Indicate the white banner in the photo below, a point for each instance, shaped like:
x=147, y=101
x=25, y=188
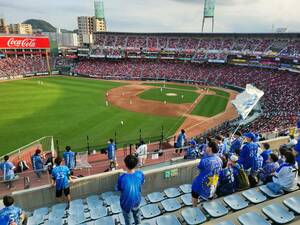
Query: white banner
x=246, y=101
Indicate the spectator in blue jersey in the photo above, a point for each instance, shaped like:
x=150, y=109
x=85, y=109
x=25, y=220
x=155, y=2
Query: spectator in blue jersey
x=227, y=183
x=192, y=152
x=266, y=152
x=180, y=142
x=236, y=143
x=297, y=150
x=205, y=184
x=286, y=176
x=222, y=148
x=271, y=165
x=249, y=154
x=112, y=153
x=10, y=214
x=60, y=179
x=37, y=163
x=7, y=169
x=70, y=159
x=130, y=186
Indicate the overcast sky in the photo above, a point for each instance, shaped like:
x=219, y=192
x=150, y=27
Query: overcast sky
x=161, y=15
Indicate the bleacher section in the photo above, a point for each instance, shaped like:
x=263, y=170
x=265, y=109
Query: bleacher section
x=173, y=206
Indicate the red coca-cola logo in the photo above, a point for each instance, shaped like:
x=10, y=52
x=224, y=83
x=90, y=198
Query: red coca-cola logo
x=24, y=43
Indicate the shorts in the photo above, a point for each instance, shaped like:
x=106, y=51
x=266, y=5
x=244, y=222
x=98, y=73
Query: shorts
x=60, y=192
x=195, y=195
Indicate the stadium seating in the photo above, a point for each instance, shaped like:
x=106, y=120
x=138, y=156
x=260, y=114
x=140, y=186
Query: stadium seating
x=22, y=66
x=100, y=209
x=261, y=45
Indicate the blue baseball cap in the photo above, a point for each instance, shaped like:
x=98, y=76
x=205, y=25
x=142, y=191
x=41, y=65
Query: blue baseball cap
x=193, y=142
x=250, y=135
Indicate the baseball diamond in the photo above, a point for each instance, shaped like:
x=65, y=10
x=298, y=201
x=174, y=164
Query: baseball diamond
x=88, y=106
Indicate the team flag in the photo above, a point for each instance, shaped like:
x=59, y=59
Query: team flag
x=246, y=101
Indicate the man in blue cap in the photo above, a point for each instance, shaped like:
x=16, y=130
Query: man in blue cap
x=248, y=155
x=192, y=151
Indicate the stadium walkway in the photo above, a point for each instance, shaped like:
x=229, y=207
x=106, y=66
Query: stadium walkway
x=99, y=164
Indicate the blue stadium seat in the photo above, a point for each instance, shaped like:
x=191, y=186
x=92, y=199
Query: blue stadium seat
x=293, y=203
x=98, y=212
x=172, y=192
x=76, y=218
x=155, y=197
x=150, y=211
x=104, y=195
x=59, y=209
x=215, y=208
x=236, y=202
x=186, y=188
x=296, y=188
x=193, y=216
x=143, y=202
x=41, y=212
x=227, y=222
x=116, y=207
x=167, y=220
x=252, y=218
x=111, y=199
x=57, y=221
x=278, y=214
x=254, y=196
x=170, y=205
x=35, y=220
x=54, y=215
x=268, y=192
x=186, y=199
x=93, y=201
x=105, y=221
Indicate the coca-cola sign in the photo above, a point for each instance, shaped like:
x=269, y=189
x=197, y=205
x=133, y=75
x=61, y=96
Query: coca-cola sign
x=25, y=43
x=14, y=42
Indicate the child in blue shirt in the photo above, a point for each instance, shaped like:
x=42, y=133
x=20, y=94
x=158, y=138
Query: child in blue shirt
x=180, y=142
x=265, y=174
x=37, y=163
x=69, y=158
x=266, y=153
x=227, y=182
x=7, y=169
x=130, y=186
x=11, y=214
x=60, y=179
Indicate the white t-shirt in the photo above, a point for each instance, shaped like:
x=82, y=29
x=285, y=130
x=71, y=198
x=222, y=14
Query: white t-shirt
x=286, y=176
x=142, y=150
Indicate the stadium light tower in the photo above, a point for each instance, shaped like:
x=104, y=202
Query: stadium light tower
x=209, y=13
x=100, y=23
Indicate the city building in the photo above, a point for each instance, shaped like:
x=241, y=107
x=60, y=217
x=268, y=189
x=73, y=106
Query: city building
x=20, y=28
x=3, y=26
x=63, y=39
x=85, y=30
x=99, y=20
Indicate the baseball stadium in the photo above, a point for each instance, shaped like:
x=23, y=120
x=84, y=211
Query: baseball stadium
x=210, y=121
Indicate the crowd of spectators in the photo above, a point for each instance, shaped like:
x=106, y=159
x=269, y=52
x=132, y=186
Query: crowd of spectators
x=280, y=104
x=22, y=65
x=286, y=46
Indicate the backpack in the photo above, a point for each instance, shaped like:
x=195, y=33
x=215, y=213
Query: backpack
x=227, y=184
x=242, y=180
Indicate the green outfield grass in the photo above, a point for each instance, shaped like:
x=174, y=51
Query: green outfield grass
x=157, y=95
x=69, y=109
x=210, y=105
x=176, y=86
